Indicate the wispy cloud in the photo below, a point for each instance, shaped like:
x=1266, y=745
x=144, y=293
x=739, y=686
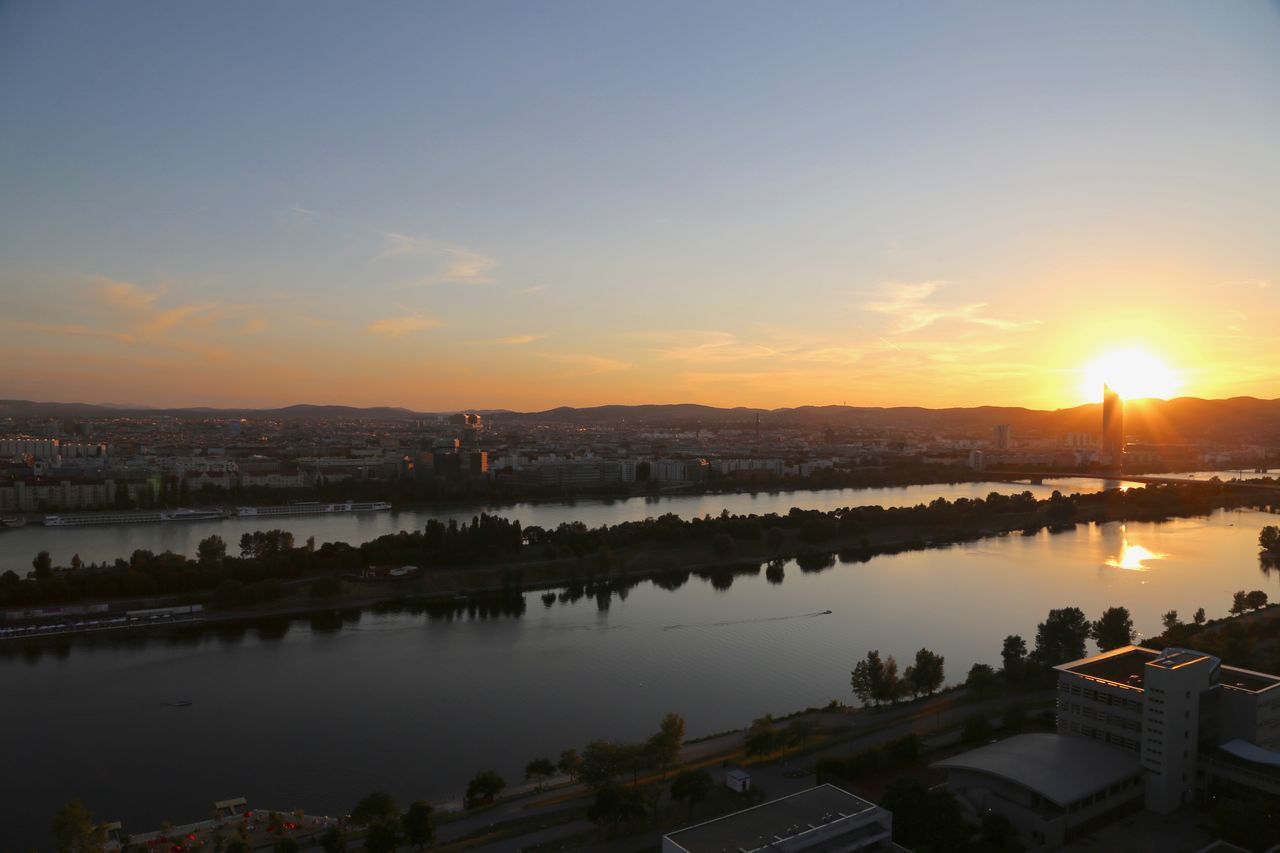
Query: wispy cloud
x=302, y=214
x=526, y=291
x=1247, y=284
x=912, y=308
x=450, y=264
x=707, y=348
x=73, y=330
x=394, y=327
x=512, y=340
x=582, y=364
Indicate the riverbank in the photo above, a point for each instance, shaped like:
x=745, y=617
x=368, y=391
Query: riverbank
x=813, y=540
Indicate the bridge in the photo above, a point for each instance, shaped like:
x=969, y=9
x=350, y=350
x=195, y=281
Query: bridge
x=1037, y=478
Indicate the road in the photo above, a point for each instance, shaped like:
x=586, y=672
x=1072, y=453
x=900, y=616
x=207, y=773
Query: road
x=925, y=718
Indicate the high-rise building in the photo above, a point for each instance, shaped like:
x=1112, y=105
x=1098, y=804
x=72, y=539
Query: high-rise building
x=1112, y=427
x=1003, y=436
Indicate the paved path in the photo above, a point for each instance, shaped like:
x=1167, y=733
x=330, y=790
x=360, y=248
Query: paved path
x=925, y=718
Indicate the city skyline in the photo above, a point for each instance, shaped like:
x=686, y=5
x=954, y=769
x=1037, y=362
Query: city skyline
x=505, y=207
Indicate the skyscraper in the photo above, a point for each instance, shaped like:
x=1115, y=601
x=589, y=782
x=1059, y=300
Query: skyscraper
x=1112, y=427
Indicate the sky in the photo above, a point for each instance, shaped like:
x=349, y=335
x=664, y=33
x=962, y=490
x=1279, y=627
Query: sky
x=444, y=205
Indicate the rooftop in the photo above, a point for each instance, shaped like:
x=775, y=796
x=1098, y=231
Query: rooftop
x=1126, y=667
x=771, y=822
x=1060, y=768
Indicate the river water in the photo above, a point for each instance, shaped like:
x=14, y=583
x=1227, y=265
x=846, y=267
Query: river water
x=99, y=543
x=317, y=718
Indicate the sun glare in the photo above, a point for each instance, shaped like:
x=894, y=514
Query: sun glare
x=1133, y=373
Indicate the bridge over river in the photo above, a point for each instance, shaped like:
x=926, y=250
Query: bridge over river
x=1038, y=477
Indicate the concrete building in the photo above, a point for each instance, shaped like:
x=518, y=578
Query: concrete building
x=1166, y=707
x=1136, y=726
x=1047, y=785
x=1003, y=436
x=825, y=818
x=1112, y=428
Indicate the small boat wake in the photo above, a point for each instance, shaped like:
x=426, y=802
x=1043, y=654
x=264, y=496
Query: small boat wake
x=178, y=703
x=747, y=621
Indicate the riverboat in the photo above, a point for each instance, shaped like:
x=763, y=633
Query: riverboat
x=135, y=517
x=14, y=521
x=310, y=508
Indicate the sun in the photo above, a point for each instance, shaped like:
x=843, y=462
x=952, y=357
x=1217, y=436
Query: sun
x=1133, y=373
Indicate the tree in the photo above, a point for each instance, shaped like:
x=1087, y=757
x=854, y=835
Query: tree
x=721, y=545
x=382, y=838
x=1198, y=618
x=691, y=786
x=796, y=734
x=1113, y=630
x=211, y=550
x=664, y=746
x=1256, y=599
x=1014, y=657
x=926, y=675
x=76, y=563
x=1170, y=620
x=603, y=761
x=42, y=565
x=762, y=738
x=539, y=768
x=982, y=679
x=284, y=844
x=615, y=804
x=483, y=787
x=865, y=676
x=1061, y=636
x=378, y=807
x=1239, y=602
x=334, y=840
x=775, y=538
x=876, y=680
x=1269, y=538
x=925, y=818
x=570, y=764
x=73, y=828
x=419, y=823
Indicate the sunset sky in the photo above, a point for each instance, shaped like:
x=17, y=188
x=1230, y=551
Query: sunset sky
x=524, y=205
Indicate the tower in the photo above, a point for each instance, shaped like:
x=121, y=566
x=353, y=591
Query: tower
x=1112, y=427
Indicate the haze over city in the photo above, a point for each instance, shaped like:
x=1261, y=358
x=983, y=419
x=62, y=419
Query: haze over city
x=521, y=206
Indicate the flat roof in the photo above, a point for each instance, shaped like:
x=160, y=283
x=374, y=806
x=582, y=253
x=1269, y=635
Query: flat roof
x=1247, y=679
x=1126, y=667
x=768, y=823
x=1060, y=768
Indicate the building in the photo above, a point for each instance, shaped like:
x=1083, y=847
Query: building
x=1003, y=436
x=1112, y=428
x=1135, y=727
x=1166, y=707
x=1047, y=785
x=825, y=818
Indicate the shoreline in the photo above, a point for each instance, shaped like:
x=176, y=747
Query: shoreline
x=496, y=586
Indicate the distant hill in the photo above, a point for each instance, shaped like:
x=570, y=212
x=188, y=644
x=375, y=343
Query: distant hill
x=1164, y=421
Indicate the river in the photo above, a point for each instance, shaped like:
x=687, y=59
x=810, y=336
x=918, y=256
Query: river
x=97, y=543
x=318, y=718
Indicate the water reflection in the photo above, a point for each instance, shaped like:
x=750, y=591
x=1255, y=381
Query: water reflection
x=1133, y=558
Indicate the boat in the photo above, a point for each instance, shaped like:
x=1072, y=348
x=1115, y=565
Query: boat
x=12, y=521
x=310, y=508
x=135, y=517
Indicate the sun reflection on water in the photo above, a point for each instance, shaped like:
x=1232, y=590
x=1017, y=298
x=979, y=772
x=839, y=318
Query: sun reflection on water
x=1133, y=558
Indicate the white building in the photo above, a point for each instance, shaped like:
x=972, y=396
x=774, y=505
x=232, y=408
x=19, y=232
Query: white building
x=1165, y=728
